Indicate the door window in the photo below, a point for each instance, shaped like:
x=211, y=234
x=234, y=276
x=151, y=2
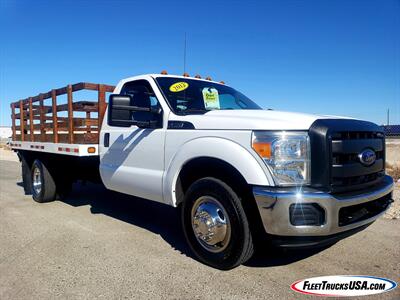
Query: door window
x=142, y=96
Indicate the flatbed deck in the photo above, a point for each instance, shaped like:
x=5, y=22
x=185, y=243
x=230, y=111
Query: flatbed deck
x=58, y=148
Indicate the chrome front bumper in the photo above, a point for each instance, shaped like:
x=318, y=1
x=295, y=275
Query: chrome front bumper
x=273, y=205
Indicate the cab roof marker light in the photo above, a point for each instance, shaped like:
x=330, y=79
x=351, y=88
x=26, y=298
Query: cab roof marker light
x=208, y=78
x=164, y=72
x=186, y=75
x=197, y=76
x=222, y=82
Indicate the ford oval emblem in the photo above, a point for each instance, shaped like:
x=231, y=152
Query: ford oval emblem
x=367, y=157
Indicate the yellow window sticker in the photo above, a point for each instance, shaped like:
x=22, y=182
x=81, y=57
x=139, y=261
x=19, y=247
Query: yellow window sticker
x=179, y=87
x=211, y=98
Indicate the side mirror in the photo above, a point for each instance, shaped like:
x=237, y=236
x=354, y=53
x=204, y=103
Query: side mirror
x=120, y=112
x=118, y=115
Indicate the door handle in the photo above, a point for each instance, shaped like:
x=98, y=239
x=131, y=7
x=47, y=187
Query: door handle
x=107, y=139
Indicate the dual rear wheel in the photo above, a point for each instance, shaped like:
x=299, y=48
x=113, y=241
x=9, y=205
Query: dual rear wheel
x=43, y=184
x=39, y=181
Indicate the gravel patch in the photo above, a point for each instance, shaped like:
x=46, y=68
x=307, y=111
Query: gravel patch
x=6, y=154
x=394, y=210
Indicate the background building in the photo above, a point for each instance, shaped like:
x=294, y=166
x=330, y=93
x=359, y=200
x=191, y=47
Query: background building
x=5, y=133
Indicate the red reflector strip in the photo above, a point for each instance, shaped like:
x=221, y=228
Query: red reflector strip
x=68, y=150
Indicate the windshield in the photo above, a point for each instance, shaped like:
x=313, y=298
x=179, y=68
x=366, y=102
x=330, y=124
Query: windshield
x=189, y=96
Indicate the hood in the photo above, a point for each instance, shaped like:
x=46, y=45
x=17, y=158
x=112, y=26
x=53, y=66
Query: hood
x=252, y=120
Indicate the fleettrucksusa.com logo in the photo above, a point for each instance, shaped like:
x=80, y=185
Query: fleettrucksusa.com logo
x=343, y=285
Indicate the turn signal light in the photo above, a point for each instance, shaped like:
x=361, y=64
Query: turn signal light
x=91, y=150
x=263, y=149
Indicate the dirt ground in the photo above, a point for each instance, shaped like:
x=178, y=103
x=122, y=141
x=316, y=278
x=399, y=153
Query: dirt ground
x=394, y=210
x=6, y=154
x=393, y=163
x=97, y=244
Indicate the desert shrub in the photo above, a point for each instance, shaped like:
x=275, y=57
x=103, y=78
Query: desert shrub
x=393, y=170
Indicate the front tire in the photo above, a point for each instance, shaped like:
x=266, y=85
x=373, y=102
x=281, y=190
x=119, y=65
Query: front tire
x=215, y=224
x=43, y=184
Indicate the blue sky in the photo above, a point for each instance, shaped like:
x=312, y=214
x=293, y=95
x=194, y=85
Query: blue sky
x=327, y=57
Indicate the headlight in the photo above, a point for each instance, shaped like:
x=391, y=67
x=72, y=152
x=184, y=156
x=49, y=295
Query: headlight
x=286, y=153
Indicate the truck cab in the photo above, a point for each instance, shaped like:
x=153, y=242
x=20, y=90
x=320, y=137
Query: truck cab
x=234, y=170
x=313, y=179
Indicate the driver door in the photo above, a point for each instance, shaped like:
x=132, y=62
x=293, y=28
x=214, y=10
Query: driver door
x=132, y=158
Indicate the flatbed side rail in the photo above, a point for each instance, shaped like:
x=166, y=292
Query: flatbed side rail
x=34, y=121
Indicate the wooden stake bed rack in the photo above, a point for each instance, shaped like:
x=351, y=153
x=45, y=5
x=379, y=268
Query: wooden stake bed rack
x=35, y=124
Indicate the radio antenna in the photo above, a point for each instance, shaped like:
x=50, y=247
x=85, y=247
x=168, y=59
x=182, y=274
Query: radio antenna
x=387, y=117
x=184, y=55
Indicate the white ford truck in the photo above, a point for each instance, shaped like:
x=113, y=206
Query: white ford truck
x=233, y=169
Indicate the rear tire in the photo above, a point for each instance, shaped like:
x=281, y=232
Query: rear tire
x=26, y=176
x=43, y=184
x=227, y=242
x=64, y=188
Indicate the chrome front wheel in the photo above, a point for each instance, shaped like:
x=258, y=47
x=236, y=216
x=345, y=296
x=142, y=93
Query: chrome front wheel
x=210, y=223
x=215, y=224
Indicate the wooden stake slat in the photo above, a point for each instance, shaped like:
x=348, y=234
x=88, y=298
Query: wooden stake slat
x=79, y=123
x=31, y=130
x=22, y=120
x=54, y=107
x=102, y=103
x=42, y=120
x=70, y=115
x=75, y=87
x=13, y=121
x=87, y=123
